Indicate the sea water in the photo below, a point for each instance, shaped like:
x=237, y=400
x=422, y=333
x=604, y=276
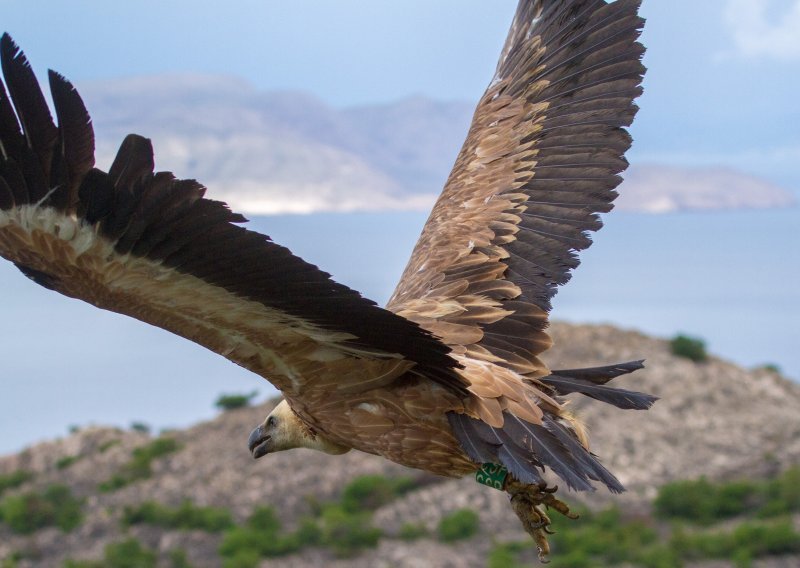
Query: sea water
x=728, y=277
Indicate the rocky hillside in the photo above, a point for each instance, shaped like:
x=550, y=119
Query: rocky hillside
x=714, y=419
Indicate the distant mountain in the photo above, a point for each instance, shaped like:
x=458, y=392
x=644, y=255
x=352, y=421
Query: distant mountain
x=284, y=152
x=289, y=152
x=714, y=419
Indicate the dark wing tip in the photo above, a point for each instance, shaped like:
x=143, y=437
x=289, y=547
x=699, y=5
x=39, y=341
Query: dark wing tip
x=8, y=47
x=57, y=78
x=134, y=159
x=76, y=152
x=11, y=56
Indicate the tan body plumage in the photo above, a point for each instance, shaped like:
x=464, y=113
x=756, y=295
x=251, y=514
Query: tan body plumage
x=447, y=377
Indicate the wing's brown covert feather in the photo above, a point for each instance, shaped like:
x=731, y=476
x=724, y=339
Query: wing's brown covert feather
x=148, y=245
x=541, y=160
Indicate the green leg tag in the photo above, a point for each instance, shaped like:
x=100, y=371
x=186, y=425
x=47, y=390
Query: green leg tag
x=492, y=475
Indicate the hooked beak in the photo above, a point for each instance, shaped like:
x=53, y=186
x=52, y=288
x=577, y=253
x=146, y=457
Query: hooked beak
x=259, y=442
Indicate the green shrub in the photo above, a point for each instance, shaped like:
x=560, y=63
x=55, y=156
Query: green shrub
x=659, y=556
x=69, y=563
x=703, y=502
x=66, y=461
x=129, y=554
x=368, y=492
x=412, y=531
x=233, y=401
x=347, y=533
x=14, y=479
x=689, y=348
x=309, y=533
x=760, y=539
x=186, y=517
x=782, y=494
x=576, y=558
x=458, y=525
x=157, y=448
x=506, y=554
x=603, y=538
x=178, y=559
x=240, y=541
x=748, y=540
x=242, y=559
x=345, y=527
x=140, y=427
x=265, y=519
x=139, y=467
x=12, y=560
x=126, y=554
x=105, y=446
x=261, y=536
x=29, y=512
x=685, y=500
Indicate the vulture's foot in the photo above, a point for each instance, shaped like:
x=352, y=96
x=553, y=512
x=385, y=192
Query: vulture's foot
x=531, y=502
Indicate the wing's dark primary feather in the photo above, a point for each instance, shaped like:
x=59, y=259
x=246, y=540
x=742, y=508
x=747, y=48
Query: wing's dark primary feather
x=163, y=219
x=39, y=132
x=541, y=161
x=74, y=157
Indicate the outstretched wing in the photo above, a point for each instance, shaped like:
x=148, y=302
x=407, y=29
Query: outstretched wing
x=151, y=246
x=540, y=162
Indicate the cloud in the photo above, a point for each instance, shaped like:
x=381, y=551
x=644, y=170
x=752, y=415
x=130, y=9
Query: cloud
x=663, y=189
x=757, y=32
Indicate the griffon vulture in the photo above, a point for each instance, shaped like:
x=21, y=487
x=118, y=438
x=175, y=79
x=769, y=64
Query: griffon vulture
x=448, y=377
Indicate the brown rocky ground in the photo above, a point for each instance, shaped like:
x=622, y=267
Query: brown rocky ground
x=713, y=419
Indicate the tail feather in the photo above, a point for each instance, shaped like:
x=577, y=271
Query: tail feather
x=520, y=466
x=595, y=469
x=537, y=440
x=476, y=446
x=621, y=398
x=601, y=375
x=526, y=448
x=591, y=382
x=486, y=444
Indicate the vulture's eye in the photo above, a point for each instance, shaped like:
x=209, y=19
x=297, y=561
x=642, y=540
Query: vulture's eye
x=271, y=421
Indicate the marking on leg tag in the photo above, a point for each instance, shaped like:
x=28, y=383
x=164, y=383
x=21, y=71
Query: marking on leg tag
x=492, y=474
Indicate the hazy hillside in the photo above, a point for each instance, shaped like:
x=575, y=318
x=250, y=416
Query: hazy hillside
x=268, y=152
x=713, y=419
x=288, y=152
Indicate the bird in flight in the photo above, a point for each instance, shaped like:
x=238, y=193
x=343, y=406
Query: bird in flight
x=448, y=377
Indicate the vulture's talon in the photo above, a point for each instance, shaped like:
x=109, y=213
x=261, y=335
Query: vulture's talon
x=530, y=502
x=543, y=557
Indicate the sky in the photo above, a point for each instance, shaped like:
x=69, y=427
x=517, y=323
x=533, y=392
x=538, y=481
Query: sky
x=721, y=90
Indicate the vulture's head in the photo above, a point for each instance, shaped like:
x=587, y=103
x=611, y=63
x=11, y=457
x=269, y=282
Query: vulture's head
x=283, y=430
